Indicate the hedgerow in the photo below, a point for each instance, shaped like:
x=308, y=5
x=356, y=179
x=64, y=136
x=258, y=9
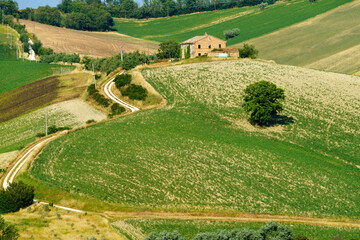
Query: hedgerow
x=100, y=99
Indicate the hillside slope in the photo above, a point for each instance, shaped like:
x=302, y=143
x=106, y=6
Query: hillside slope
x=16, y=72
x=328, y=42
x=199, y=151
x=250, y=20
x=99, y=44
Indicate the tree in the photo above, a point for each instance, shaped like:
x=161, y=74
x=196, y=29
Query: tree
x=263, y=100
x=263, y=5
x=248, y=51
x=312, y=1
x=168, y=49
x=16, y=196
x=7, y=231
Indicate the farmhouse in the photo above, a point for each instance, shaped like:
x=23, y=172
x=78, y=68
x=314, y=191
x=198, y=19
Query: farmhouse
x=202, y=45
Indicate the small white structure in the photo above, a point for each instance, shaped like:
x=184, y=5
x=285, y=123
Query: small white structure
x=32, y=56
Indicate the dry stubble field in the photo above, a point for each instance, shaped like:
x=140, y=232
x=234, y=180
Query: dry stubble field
x=198, y=152
x=99, y=44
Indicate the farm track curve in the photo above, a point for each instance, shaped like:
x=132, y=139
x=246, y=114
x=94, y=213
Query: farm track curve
x=112, y=96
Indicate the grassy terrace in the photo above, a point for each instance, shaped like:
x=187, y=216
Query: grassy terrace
x=198, y=152
x=250, y=20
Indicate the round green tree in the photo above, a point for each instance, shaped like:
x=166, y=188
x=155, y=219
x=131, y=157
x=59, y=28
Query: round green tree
x=263, y=100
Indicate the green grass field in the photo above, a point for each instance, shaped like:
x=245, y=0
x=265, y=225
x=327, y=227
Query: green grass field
x=16, y=73
x=135, y=228
x=199, y=152
x=250, y=20
x=329, y=42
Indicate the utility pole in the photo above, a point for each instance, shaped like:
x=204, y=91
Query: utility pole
x=17, y=52
x=23, y=51
x=11, y=41
x=122, y=54
x=46, y=122
x=94, y=75
x=3, y=18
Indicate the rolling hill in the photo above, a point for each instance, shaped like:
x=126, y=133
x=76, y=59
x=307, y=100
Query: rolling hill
x=99, y=44
x=328, y=42
x=199, y=152
x=250, y=20
x=15, y=72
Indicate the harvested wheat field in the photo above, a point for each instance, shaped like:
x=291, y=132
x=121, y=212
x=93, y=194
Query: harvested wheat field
x=329, y=42
x=99, y=44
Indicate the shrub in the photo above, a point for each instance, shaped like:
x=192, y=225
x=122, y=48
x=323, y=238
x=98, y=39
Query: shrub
x=165, y=235
x=231, y=33
x=262, y=100
x=7, y=231
x=90, y=121
x=263, y=5
x=300, y=237
x=135, y=92
x=16, y=196
x=134, y=59
x=122, y=80
x=116, y=109
x=248, y=51
x=100, y=99
x=91, y=89
x=269, y=231
x=60, y=57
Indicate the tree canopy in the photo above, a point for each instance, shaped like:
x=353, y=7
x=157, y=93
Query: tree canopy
x=168, y=49
x=262, y=100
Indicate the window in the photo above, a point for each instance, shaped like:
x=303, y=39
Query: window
x=199, y=46
x=199, y=54
x=209, y=46
x=219, y=45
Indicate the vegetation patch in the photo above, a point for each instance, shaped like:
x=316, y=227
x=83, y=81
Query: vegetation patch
x=195, y=153
x=190, y=228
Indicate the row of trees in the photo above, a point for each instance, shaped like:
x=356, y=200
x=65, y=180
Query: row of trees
x=271, y=230
x=95, y=15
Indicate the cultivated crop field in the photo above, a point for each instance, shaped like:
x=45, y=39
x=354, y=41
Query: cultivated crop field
x=199, y=152
x=250, y=21
x=41, y=93
x=18, y=132
x=139, y=228
x=328, y=42
x=99, y=44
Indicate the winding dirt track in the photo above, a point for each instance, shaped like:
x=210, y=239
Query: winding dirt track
x=112, y=96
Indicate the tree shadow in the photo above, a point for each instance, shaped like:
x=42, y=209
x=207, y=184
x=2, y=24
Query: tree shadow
x=280, y=120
